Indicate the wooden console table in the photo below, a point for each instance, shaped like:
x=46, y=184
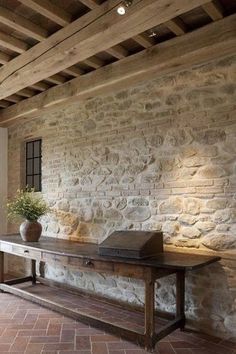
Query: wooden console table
x=84, y=257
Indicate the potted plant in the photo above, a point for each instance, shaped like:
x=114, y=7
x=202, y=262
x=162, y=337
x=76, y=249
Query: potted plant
x=29, y=206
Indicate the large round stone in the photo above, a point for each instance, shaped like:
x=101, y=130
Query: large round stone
x=172, y=205
x=137, y=213
x=219, y=242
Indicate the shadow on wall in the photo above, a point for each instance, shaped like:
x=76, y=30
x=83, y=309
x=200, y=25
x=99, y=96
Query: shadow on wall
x=210, y=301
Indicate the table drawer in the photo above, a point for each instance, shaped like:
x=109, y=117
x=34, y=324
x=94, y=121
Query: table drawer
x=91, y=265
x=54, y=258
x=26, y=252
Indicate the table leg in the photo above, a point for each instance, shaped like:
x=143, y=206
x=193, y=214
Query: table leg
x=1, y=268
x=33, y=270
x=42, y=269
x=149, y=313
x=180, y=296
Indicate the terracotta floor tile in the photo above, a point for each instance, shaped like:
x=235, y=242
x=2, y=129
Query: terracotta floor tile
x=45, y=339
x=83, y=343
x=228, y=344
x=7, y=339
x=34, y=348
x=54, y=329
x=26, y=328
x=58, y=346
x=121, y=345
x=31, y=333
x=207, y=337
x=165, y=348
x=75, y=352
x=41, y=324
x=184, y=344
x=136, y=351
x=67, y=335
x=99, y=348
x=4, y=347
x=104, y=338
x=30, y=318
x=20, y=344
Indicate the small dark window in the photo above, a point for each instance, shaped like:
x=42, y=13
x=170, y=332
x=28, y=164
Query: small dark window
x=33, y=164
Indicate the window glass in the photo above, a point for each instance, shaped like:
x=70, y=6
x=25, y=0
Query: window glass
x=33, y=164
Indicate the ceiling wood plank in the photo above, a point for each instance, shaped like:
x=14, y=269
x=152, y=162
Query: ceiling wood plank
x=73, y=71
x=21, y=24
x=91, y=4
x=214, y=10
x=118, y=51
x=4, y=58
x=12, y=43
x=177, y=26
x=105, y=31
x=4, y=104
x=49, y=10
x=14, y=98
x=26, y=93
x=144, y=40
x=179, y=53
x=40, y=86
x=94, y=62
x=56, y=79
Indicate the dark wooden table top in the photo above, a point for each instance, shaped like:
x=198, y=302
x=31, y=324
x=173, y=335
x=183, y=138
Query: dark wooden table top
x=168, y=260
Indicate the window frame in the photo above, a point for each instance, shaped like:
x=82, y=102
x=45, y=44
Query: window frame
x=33, y=158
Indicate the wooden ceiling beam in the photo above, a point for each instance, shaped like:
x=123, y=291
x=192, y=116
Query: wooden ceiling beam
x=144, y=40
x=4, y=58
x=21, y=24
x=61, y=17
x=12, y=43
x=49, y=10
x=98, y=30
x=214, y=10
x=177, y=26
x=180, y=53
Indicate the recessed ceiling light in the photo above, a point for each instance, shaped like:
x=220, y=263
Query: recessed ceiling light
x=121, y=10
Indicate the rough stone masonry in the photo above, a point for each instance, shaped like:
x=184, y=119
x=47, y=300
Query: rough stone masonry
x=158, y=156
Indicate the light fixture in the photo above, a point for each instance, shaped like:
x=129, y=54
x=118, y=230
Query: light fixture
x=121, y=10
x=152, y=34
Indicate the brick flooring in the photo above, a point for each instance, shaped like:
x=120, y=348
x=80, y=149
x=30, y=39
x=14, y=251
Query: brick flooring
x=26, y=328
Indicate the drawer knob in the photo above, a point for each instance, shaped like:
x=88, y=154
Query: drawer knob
x=88, y=263
x=26, y=251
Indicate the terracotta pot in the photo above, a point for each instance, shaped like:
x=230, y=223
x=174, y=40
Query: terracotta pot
x=30, y=231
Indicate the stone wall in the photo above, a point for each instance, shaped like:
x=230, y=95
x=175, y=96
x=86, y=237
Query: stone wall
x=159, y=156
